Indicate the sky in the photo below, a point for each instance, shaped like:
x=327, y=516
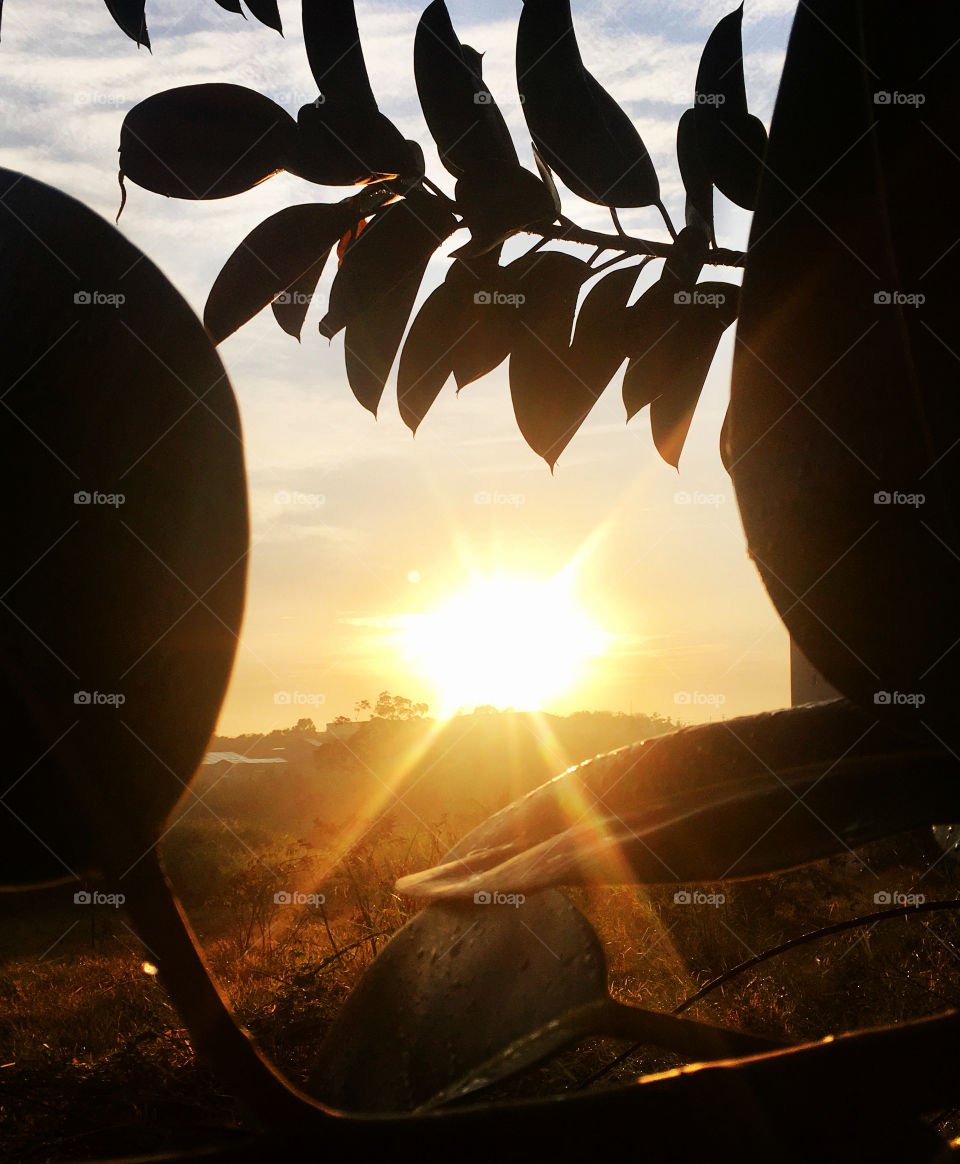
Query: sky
x=360, y=534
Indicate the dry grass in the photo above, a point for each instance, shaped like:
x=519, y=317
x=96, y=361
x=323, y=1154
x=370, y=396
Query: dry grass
x=93, y=1061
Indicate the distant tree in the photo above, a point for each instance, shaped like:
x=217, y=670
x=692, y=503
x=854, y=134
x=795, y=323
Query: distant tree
x=361, y=706
x=398, y=707
x=343, y=718
x=485, y=709
x=305, y=727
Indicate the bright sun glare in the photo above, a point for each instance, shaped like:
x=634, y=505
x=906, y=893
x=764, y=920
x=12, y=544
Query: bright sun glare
x=506, y=641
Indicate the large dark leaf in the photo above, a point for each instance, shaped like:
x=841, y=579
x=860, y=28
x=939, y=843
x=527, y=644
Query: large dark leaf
x=408, y=1036
x=339, y=145
x=335, y=55
x=498, y=202
x=230, y=6
x=459, y=109
x=465, y=328
x=290, y=245
x=129, y=15
x=732, y=140
x=376, y=286
x=205, y=141
x=577, y=126
x=716, y=801
x=120, y=614
x=267, y=12
x=696, y=177
x=671, y=373
x=291, y=306
x=398, y=242
x=845, y=419
x=549, y=400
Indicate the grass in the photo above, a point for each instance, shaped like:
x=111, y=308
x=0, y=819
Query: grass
x=94, y=1062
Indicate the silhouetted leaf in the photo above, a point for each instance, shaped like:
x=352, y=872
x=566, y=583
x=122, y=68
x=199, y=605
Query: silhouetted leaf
x=397, y=243
x=497, y=203
x=112, y=672
x=488, y=292
x=749, y=796
x=205, y=141
x=426, y=361
x=267, y=12
x=550, y=401
x=681, y=364
x=291, y=306
x=129, y=15
x=866, y=337
x=459, y=109
x=230, y=5
x=339, y=145
x=693, y=171
x=577, y=126
x=465, y=328
x=335, y=55
x=599, y=339
x=376, y=286
x=731, y=140
x=287, y=246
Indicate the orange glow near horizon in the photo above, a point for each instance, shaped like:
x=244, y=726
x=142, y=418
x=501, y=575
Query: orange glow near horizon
x=507, y=640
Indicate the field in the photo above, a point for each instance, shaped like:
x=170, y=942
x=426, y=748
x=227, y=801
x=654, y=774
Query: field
x=94, y=1062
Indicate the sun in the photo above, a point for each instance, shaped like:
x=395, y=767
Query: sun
x=506, y=641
